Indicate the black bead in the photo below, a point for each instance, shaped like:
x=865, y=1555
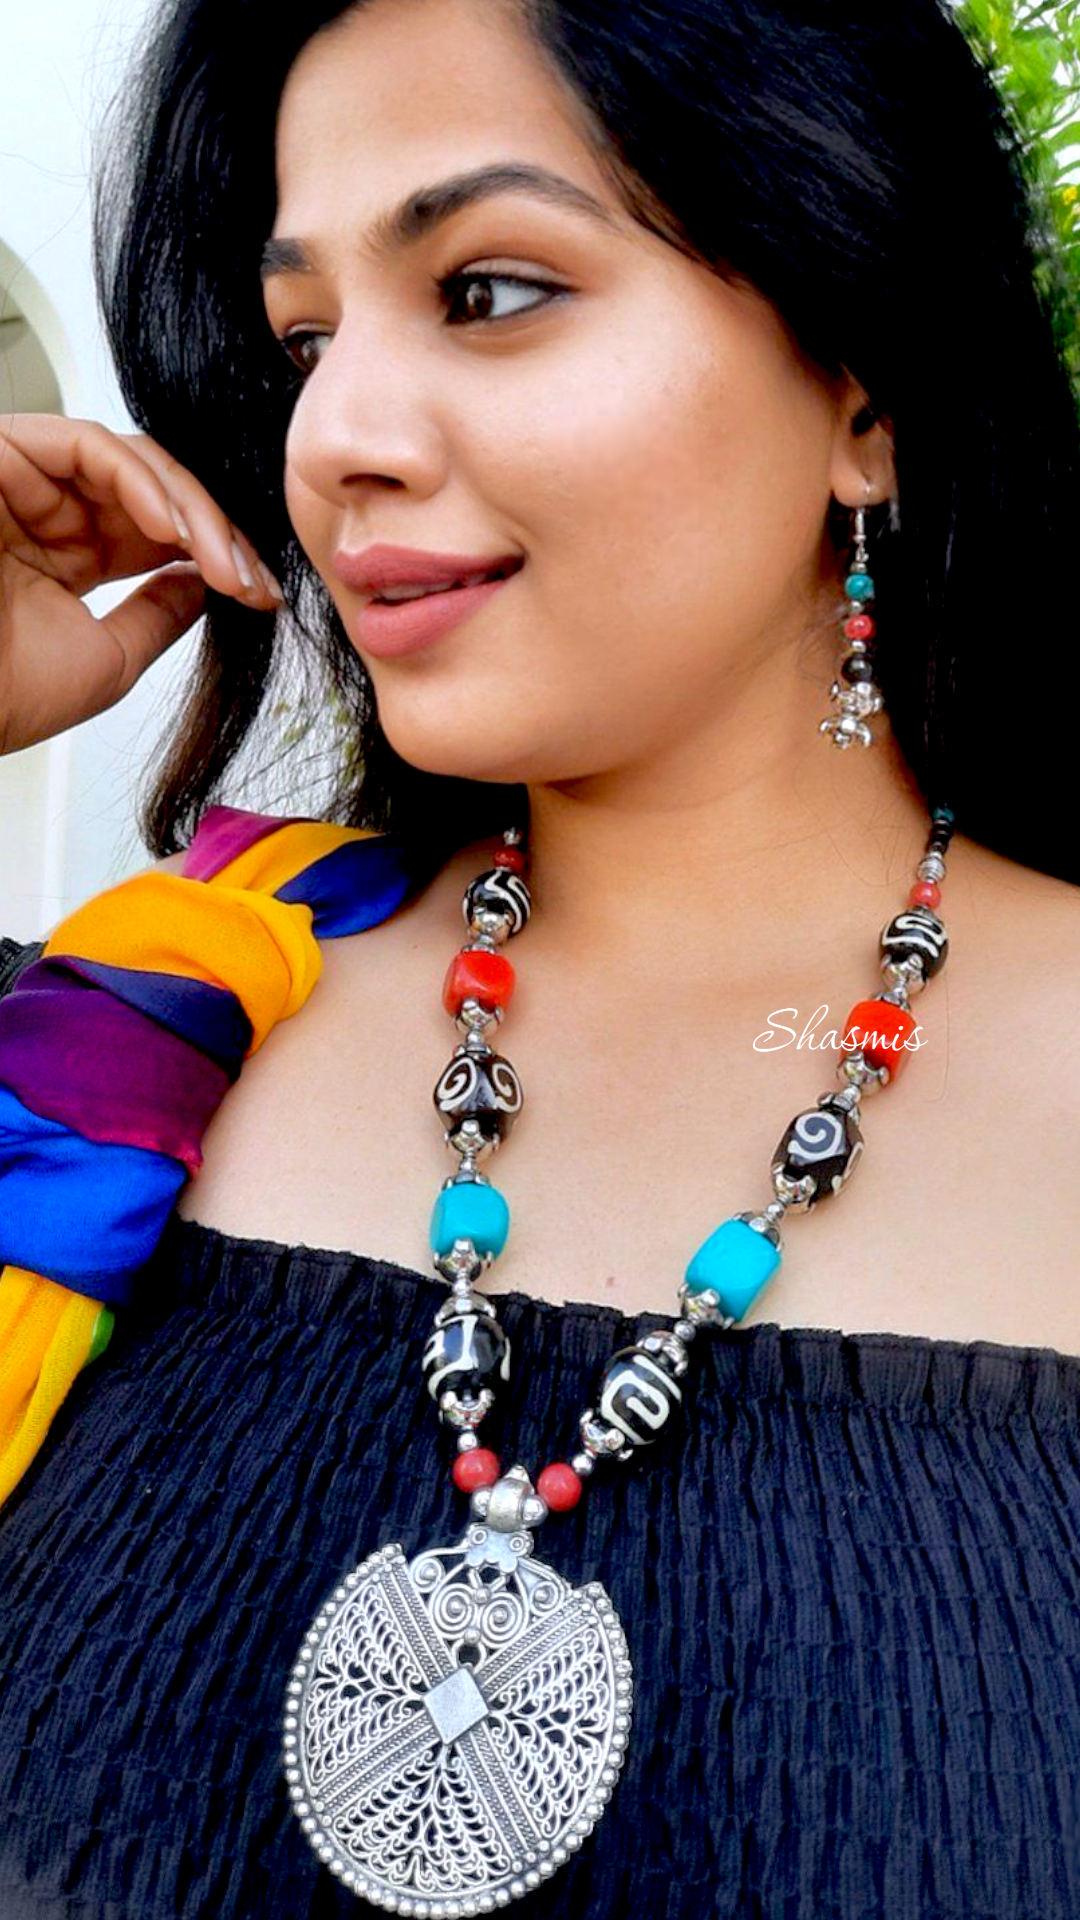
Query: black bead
x=857, y=668
x=916, y=931
x=825, y=1144
x=469, y=1352
x=499, y=890
x=479, y=1086
x=637, y=1396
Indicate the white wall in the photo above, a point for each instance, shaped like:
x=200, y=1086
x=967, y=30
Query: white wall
x=67, y=806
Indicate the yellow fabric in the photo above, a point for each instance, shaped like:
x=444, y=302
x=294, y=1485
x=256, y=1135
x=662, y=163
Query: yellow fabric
x=232, y=936
x=46, y=1333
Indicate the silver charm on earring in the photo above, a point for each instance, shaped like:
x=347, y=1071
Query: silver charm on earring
x=854, y=695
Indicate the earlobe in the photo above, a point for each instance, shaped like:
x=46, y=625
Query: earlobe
x=863, y=453
x=864, y=456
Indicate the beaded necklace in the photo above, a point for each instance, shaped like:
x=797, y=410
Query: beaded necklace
x=455, y=1723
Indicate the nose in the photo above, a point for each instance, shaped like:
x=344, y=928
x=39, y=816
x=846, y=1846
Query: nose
x=365, y=416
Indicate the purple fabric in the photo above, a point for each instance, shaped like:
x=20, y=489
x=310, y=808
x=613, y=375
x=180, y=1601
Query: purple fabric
x=210, y=1017
x=72, y=1052
x=225, y=832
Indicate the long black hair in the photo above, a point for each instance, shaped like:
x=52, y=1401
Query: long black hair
x=854, y=163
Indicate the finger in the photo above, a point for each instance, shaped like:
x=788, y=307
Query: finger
x=199, y=519
x=152, y=618
x=106, y=467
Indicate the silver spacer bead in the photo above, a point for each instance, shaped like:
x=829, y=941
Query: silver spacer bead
x=583, y=1464
x=467, y=1409
x=796, y=1194
x=904, y=973
x=703, y=1309
x=467, y=1441
x=600, y=1441
x=763, y=1223
x=472, y=1016
x=475, y=1148
x=462, y=1263
x=853, y=1069
x=513, y=836
x=848, y=1098
x=489, y=925
x=685, y=1330
x=663, y=1342
x=461, y=1303
x=931, y=867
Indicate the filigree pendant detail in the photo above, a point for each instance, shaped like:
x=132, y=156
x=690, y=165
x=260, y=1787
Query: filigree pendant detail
x=455, y=1724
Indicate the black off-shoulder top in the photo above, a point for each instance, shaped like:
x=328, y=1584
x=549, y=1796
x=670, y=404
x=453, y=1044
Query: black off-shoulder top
x=850, y=1583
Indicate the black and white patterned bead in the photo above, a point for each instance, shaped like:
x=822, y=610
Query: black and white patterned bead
x=638, y=1395
x=480, y=1086
x=498, y=893
x=817, y=1153
x=916, y=933
x=466, y=1353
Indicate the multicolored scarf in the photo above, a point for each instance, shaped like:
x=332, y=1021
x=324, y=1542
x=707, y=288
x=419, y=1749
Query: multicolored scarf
x=116, y=1048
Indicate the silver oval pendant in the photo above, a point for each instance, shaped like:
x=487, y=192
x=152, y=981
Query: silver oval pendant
x=455, y=1725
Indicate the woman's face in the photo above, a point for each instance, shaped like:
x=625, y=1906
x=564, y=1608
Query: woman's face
x=647, y=437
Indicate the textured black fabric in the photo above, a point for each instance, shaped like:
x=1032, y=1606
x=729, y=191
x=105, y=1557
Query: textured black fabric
x=15, y=957
x=850, y=1583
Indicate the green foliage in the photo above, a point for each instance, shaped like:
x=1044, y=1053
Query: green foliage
x=1031, y=49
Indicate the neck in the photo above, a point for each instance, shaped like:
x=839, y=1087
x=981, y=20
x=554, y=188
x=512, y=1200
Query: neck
x=726, y=871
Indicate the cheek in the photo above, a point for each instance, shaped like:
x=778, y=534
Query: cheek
x=674, y=486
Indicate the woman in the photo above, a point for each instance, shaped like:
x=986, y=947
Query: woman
x=716, y=250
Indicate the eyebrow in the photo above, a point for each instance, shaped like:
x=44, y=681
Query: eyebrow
x=428, y=207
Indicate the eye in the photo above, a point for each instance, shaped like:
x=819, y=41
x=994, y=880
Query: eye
x=458, y=284
x=464, y=308
x=294, y=344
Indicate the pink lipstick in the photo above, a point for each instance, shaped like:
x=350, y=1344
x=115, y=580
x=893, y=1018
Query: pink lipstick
x=448, y=587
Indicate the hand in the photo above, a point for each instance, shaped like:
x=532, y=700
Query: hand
x=80, y=504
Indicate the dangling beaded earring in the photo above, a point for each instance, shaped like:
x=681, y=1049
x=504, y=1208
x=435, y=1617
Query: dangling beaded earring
x=853, y=693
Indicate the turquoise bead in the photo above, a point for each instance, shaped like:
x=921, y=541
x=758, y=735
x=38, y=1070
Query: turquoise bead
x=859, y=586
x=470, y=1211
x=736, y=1262
x=942, y=813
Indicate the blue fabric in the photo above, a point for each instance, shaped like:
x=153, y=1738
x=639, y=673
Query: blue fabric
x=850, y=1583
x=58, y=1206
x=356, y=886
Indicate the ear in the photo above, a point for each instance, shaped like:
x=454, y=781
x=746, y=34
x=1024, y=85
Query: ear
x=863, y=449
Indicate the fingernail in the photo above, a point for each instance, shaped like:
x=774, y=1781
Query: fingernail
x=181, y=525
x=271, y=584
x=242, y=567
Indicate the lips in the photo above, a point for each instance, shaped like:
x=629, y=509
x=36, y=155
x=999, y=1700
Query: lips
x=416, y=591
x=381, y=567
x=389, y=631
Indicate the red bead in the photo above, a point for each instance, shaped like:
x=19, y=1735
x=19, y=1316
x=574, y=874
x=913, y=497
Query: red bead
x=488, y=977
x=925, y=893
x=480, y=1468
x=511, y=857
x=560, y=1487
x=860, y=627
x=890, y=1023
